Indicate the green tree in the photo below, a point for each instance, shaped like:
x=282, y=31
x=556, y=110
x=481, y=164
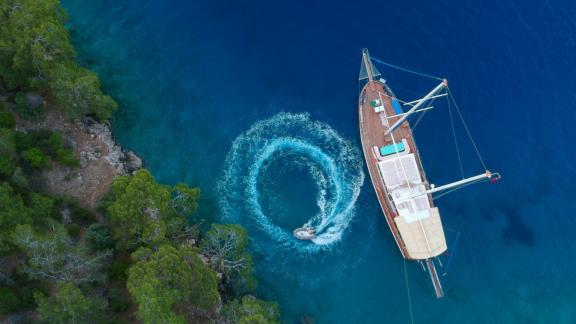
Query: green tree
x=68, y=305
x=36, y=54
x=226, y=247
x=139, y=208
x=42, y=208
x=250, y=310
x=54, y=256
x=7, y=165
x=185, y=199
x=168, y=277
x=19, y=180
x=34, y=34
x=99, y=237
x=12, y=213
x=78, y=91
x=7, y=142
x=36, y=158
x=6, y=120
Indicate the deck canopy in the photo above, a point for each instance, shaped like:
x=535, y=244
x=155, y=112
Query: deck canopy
x=418, y=222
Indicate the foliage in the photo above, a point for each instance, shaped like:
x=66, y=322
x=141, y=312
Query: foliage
x=226, y=247
x=7, y=142
x=170, y=277
x=78, y=91
x=6, y=120
x=250, y=311
x=68, y=305
x=116, y=301
x=36, y=158
x=66, y=157
x=204, y=288
x=140, y=206
x=41, y=57
x=73, y=230
x=42, y=208
x=19, y=180
x=25, y=111
x=35, y=31
x=99, y=237
x=54, y=256
x=184, y=199
x=7, y=165
x=10, y=301
x=118, y=271
x=12, y=213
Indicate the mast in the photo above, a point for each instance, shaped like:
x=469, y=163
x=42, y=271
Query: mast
x=419, y=103
x=367, y=65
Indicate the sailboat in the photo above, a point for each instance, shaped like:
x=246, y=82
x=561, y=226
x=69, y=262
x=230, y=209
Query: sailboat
x=396, y=171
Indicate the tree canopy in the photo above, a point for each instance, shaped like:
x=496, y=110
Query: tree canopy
x=54, y=256
x=36, y=54
x=68, y=305
x=226, y=246
x=168, y=277
x=12, y=213
x=250, y=310
x=143, y=210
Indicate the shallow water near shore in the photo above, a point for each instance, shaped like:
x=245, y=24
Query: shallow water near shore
x=255, y=102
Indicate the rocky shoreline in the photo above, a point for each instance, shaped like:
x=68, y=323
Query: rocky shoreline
x=101, y=157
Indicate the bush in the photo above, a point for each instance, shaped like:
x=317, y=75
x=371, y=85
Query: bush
x=10, y=302
x=36, y=158
x=55, y=142
x=19, y=180
x=118, y=271
x=25, y=111
x=7, y=120
x=99, y=237
x=117, y=302
x=66, y=157
x=81, y=215
x=6, y=166
x=23, y=141
x=73, y=230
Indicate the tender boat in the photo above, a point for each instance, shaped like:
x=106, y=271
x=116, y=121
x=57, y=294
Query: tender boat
x=304, y=233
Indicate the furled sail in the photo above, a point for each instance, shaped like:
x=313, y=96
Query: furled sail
x=364, y=72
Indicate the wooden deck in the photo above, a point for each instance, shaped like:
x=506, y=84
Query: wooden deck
x=372, y=133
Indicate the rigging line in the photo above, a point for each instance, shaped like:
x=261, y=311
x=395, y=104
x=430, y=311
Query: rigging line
x=466, y=127
x=451, y=254
x=406, y=69
x=455, y=139
x=408, y=292
x=422, y=115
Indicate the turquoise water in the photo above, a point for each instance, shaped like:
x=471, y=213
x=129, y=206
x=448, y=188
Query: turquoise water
x=255, y=101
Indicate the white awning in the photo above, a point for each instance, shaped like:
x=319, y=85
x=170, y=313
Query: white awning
x=399, y=171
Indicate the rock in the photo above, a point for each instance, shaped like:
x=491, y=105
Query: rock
x=66, y=216
x=133, y=162
x=34, y=99
x=204, y=259
x=124, y=162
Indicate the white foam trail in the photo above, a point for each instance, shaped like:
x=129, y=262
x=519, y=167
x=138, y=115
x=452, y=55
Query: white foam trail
x=333, y=162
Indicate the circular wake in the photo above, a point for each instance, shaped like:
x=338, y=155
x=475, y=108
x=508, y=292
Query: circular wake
x=332, y=162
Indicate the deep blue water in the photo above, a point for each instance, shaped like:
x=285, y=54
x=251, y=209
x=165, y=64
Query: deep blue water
x=193, y=76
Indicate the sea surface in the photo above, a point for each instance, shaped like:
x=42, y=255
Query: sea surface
x=256, y=103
